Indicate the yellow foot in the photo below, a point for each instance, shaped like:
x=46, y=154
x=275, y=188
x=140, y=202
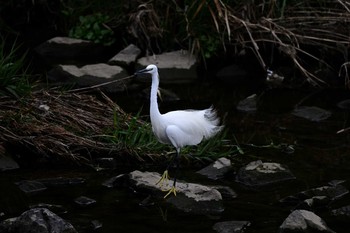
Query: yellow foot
x=170, y=191
x=163, y=181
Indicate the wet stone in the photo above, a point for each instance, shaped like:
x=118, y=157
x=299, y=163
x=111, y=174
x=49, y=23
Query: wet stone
x=37, y=220
x=248, y=104
x=96, y=225
x=231, y=226
x=84, y=201
x=331, y=192
x=304, y=221
x=31, y=187
x=59, y=209
x=312, y=113
x=61, y=181
x=227, y=192
x=114, y=181
x=190, y=197
x=217, y=170
x=342, y=211
x=345, y=104
x=7, y=163
x=257, y=174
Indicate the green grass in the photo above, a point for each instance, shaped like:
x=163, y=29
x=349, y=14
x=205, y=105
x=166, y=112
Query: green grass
x=137, y=136
x=14, y=77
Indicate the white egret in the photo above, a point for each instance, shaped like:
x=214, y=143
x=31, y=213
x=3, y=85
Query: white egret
x=179, y=128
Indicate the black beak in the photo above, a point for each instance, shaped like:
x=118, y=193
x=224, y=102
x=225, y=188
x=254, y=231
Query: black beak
x=142, y=71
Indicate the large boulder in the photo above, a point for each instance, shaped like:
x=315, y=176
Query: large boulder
x=217, y=170
x=191, y=197
x=257, y=174
x=174, y=67
x=38, y=220
x=91, y=75
x=66, y=50
x=126, y=57
x=304, y=221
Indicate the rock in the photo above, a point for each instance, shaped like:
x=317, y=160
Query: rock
x=54, y=208
x=248, y=104
x=65, y=50
x=38, y=220
x=330, y=192
x=217, y=170
x=227, y=193
x=342, y=211
x=106, y=163
x=90, y=75
x=304, y=221
x=7, y=163
x=257, y=174
x=115, y=181
x=61, y=181
x=84, y=201
x=231, y=226
x=31, y=187
x=191, y=197
x=126, y=57
x=311, y=113
x=345, y=104
x=96, y=225
x=173, y=67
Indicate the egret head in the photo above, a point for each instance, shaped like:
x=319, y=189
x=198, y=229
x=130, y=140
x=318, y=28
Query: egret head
x=150, y=69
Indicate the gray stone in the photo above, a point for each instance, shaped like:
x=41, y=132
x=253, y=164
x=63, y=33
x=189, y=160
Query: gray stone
x=311, y=113
x=342, y=211
x=7, y=163
x=38, y=220
x=322, y=195
x=304, y=221
x=90, y=75
x=217, y=170
x=126, y=57
x=231, y=226
x=191, y=197
x=173, y=67
x=114, y=181
x=248, y=104
x=84, y=201
x=65, y=50
x=31, y=187
x=257, y=174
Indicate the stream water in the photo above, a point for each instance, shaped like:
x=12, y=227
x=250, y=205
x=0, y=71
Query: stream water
x=320, y=155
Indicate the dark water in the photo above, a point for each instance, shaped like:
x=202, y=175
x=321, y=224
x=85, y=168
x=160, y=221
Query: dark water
x=321, y=155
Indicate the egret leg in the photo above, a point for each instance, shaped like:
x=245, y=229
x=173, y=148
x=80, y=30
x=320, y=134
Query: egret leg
x=173, y=188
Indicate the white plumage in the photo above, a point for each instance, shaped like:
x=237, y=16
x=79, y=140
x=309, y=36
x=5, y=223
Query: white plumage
x=182, y=127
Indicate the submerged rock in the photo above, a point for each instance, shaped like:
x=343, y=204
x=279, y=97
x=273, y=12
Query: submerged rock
x=304, y=221
x=31, y=187
x=248, y=104
x=312, y=113
x=217, y=170
x=342, y=211
x=84, y=201
x=191, y=197
x=231, y=226
x=317, y=197
x=257, y=174
x=174, y=67
x=61, y=181
x=37, y=220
